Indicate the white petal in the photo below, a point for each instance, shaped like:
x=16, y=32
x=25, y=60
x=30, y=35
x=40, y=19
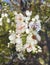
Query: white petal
x=38, y=37
x=31, y=24
x=33, y=19
x=28, y=13
x=1, y=21
x=27, y=19
x=20, y=27
x=6, y=15
x=8, y=20
x=15, y=13
x=34, y=49
x=27, y=31
x=19, y=47
x=39, y=50
x=29, y=50
x=19, y=18
x=39, y=47
x=8, y=45
x=2, y=15
x=18, y=41
x=37, y=17
x=12, y=36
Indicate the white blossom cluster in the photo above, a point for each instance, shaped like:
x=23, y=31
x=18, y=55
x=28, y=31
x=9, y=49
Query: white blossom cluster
x=29, y=27
x=2, y=16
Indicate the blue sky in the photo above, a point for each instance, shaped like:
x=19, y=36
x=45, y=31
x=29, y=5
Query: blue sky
x=7, y=1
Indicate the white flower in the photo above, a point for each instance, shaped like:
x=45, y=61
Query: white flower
x=27, y=31
x=0, y=21
x=30, y=43
x=19, y=47
x=8, y=45
x=28, y=47
x=39, y=49
x=30, y=28
x=33, y=19
x=38, y=25
x=44, y=2
x=38, y=37
x=20, y=27
x=37, y=17
x=19, y=18
x=4, y=15
x=28, y=13
x=27, y=19
x=15, y=13
x=12, y=38
x=18, y=40
x=10, y=31
x=31, y=25
x=35, y=25
x=31, y=40
x=34, y=49
x=8, y=20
